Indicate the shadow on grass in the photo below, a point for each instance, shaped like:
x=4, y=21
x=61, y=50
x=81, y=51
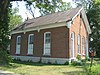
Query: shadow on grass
x=28, y=63
x=73, y=73
x=16, y=64
x=35, y=63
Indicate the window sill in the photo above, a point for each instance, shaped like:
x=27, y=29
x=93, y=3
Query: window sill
x=46, y=54
x=29, y=54
x=17, y=53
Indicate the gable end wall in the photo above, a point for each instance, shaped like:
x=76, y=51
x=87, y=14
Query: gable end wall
x=78, y=27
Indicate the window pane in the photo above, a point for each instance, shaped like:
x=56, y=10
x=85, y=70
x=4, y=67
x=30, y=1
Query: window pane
x=47, y=38
x=31, y=39
x=78, y=49
x=78, y=39
x=18, y=40
x=48, y=35
x=83, y=43
x=78, y=42
x=47, y=43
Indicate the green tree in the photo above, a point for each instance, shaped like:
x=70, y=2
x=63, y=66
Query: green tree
x=5, y=18
x=93, y=13
x=15, y=19
x=47, y=6
x=4, y=30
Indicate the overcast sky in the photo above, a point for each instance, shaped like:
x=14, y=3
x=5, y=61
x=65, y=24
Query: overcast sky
x=23, y=11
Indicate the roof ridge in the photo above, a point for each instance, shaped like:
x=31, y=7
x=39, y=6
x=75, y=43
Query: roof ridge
x=53, y=13
x=60, y=16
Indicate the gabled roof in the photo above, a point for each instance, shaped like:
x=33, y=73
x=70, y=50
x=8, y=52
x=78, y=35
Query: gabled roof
x=57, y=17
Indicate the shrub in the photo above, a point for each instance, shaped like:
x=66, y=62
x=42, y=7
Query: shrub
x=78, y=57
x=76, y=63
x=97, y=59
x=4, y=57
x=49, y=63
x=29, y=60
x=83, y=61
x=94, y=70
x=67, y=63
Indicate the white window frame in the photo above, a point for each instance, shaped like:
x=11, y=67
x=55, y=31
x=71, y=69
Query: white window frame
x=79, y=44
x=83, y=45
x=87, y=49
x=72, y=45
x=30, y=51
x=44, y=52
x=18, y=45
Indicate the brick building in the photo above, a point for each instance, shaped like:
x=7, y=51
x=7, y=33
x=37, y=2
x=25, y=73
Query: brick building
x=55, y=38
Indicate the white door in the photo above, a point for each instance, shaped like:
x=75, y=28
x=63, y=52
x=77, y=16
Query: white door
x=47, y=43
x=72, y=41
x=30, y=43
x=18, y=41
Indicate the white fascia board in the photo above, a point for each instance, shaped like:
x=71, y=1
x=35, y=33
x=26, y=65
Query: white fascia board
x=84, y=17
x=53, y=25
x=38, y=28
x=77, y=13
x=22, y=31
x=85, y=20
x=69, y=23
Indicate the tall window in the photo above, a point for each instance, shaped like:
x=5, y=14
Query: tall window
x=83, y=45
x=18, y=42
x=78, y=44
x=47, y=43
x=87, y=54
x=30, y=43
x=72, y=44
x=31, y=39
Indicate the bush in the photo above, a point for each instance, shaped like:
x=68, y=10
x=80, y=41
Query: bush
x=4, y=58
x=67, y=63
x=94, y=70
x=76, y=63
x=78, y=57
x=97, y=59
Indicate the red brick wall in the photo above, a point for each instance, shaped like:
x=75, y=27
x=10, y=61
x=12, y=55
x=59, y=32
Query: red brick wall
x=59, y=42
x=78, y=27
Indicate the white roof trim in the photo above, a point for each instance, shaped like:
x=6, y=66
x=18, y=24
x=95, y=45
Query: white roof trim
x=77, y=14
x=84, y=17
x=53, y=25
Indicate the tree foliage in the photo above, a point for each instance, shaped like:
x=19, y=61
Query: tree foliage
x=47, y=6
x=4, y=30
x=93, y=14
x=15, y=19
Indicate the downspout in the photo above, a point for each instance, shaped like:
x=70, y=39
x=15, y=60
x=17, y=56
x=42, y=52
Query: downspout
x=38, y=30
x=69, y=23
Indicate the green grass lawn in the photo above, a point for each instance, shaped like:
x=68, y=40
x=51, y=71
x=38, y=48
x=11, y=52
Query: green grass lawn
x=30, y=68
x=26, y=68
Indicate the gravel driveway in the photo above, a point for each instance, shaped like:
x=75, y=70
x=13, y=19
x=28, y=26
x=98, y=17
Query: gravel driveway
x=7, y=73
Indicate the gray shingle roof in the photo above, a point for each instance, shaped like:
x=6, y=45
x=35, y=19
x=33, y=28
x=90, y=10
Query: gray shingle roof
x=49, y=19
